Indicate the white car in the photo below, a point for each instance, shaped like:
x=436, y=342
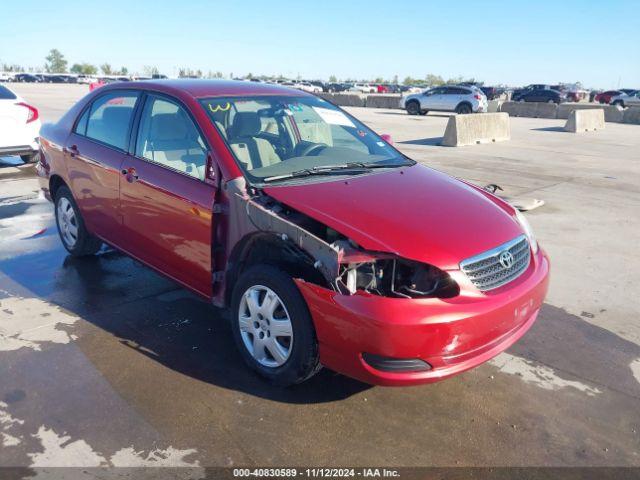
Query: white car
x=19, y=126
x=86, y=79
x=447, y=98
x=307, y=87
x=6, y=77
x=626, y=100
x=363, y=88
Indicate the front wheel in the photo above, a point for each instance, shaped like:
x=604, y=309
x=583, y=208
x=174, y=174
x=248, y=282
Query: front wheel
x=75, y=237
x=272, y=326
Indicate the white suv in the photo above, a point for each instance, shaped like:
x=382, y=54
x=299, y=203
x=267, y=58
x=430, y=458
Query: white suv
x=447, y=98
x=19, y=126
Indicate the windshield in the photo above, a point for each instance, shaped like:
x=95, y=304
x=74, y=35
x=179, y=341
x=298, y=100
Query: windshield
x=278, y=137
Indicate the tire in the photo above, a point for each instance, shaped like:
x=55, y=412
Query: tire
x=413, y=107
x=551, y=101
x=295, y=356
x=463, y=109
x=73, y=234
x=618, y=103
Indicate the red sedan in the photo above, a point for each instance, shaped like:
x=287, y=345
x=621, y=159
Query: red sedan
x=605, y=97
x=328, y=245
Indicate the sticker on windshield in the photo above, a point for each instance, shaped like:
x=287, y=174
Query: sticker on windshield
x=221, y=107
x=333, y=117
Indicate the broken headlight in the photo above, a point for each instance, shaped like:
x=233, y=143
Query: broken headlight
x=396, y=277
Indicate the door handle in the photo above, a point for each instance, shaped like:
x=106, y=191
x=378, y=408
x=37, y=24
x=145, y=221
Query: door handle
x=72, y=150
x=131, y=174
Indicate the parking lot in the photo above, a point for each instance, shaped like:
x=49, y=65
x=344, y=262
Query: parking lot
x=104, y=362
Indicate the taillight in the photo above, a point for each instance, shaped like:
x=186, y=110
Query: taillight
x=477, y=97
x=33, y=112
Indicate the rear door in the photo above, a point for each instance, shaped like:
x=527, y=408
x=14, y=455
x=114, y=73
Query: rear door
x=453, y=96
x=167, y=195
x=94, y=153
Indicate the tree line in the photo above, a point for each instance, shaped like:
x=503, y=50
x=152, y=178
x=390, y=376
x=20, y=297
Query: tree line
x=55, y=62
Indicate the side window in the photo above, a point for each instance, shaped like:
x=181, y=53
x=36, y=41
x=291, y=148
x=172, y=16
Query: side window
x=167, y=136
x=109, y=118
x=81, y=127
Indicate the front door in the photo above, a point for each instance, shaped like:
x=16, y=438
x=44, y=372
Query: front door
x=166, y=201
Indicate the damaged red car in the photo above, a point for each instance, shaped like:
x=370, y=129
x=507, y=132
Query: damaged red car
x=329, y=246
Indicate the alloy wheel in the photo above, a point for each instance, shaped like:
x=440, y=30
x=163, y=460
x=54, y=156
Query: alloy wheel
x=67, y=222
x=265, y=326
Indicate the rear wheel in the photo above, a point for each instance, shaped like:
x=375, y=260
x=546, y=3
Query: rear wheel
x=413, y=107
x=75, y=237
x=463, y=109
x=618, y=103
x=272, y=326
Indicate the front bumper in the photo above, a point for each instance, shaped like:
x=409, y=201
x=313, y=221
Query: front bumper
x=452, y=335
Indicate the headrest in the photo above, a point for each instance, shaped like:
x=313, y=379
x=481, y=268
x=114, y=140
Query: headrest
x=245, y=124
x=168, y=126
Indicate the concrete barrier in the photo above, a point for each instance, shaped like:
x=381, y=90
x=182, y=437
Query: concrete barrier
x=632, y=115
x=382, y=101
x=612, y=113
x=344, y=99
x=476, y=128
x=529, y=109
x=585, y=120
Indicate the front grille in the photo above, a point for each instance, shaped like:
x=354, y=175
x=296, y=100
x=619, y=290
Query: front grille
x=485, y=270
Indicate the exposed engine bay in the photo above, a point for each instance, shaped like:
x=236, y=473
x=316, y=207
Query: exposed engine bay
x=345, y=266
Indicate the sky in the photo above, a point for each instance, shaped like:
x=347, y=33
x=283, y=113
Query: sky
x=513, y=42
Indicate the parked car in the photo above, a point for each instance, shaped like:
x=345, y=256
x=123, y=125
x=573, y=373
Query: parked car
x=19, y=126
x=86, y=79
x=516, y=94
x=629, y=91
x=56, y=79
x=492, y=93
x=448, y=98
x=25, y=78
x=224, y=187
x=605, y=97
x=307, y=87
x=546, y=96
x=363, y=88
x=592, y=95
x=631, y=99
x=338, y=87
x=6, y=76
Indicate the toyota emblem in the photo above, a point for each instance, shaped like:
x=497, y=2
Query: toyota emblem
x=506, y=259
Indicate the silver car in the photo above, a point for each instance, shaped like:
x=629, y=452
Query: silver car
x=447, y=98
x=625, y=100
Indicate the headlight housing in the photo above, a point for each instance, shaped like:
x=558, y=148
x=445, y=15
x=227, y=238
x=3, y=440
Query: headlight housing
x=528, y=231
x=397, y=277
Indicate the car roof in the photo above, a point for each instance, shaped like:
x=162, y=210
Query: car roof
x=199, y=88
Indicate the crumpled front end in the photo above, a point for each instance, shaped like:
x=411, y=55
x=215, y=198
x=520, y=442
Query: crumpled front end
x=377, y=339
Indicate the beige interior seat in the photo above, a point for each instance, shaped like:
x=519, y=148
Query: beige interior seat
x=251, y=150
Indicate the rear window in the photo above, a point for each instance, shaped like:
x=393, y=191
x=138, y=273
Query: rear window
x=6, y=94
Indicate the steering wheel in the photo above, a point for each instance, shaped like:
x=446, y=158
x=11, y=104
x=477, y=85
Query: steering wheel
x=311, y=148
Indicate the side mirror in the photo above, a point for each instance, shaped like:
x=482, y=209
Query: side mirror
x=387, y=138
